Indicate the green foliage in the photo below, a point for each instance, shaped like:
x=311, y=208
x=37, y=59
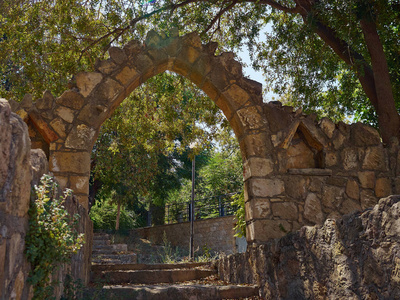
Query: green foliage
x=73, y=289
x=240, y=215
x=103, y=215
x=142, y=151
x=52, y=237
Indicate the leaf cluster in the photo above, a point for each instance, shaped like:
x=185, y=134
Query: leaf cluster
x=52, y=236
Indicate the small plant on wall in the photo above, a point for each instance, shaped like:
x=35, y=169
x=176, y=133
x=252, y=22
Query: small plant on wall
x=52, y=236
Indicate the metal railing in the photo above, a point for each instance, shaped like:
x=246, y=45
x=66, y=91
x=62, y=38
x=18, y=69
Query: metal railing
x=205, y=208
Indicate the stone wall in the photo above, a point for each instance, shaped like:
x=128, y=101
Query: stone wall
x=217, y=234
x=21, y=169
x=15, y=187
x=354, y=257
x=317, y=170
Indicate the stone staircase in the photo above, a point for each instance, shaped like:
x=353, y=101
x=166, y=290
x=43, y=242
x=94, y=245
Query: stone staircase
x=104, y=252
x=184, y=281
x=117, y=275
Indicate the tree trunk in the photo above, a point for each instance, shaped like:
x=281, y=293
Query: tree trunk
x=388, y=117
x=118, y=215
x=374, y=80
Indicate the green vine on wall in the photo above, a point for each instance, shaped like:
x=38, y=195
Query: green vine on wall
x=52, y=236
x=240, y=214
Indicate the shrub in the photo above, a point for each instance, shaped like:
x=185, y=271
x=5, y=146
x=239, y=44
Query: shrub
x=52, y=236
x=104, y=215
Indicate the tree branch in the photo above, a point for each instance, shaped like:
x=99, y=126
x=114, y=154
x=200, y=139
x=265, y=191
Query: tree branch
x=172, y=7
x=278, y=6
x=219, y=15
x=120, y=31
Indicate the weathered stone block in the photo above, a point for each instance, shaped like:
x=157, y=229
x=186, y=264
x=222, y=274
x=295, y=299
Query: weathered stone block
x=251, y=118
x=331, y=159
x=367, y=179
x=327, y=126
x=93, y=115
x=257, y=208
x=80, y=138
x=127, y=76
x=332, y=196
x=80, y=184
x=117, y=55
x=312, y=209
x=285, y=210
x=352, y=189
x=189, y=54
x=71, y=99
x=375, y=159
x=263, y=230
x=350, y=158
x=86, y=82
x=363, y=135
x=107, y=91
x=316, y=185
x=59, y=127
x=105, y=66
x=65, y=113
x=368, y=199
x=236, y=96
x=266, y=187
x=349, y=206
x=46, y=102
x=338, y=140
x=337, y=181
x=383, y=187
x=39, y=165
x=295, y=187
x=75, y=162
x=257, y=167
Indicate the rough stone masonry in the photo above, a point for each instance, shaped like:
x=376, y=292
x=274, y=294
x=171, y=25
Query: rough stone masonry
x=297, y=170
x=353, y=257
x=21, y=169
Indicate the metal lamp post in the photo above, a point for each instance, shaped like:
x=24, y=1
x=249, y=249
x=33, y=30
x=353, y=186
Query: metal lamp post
x=192, y=210
x=192, y=146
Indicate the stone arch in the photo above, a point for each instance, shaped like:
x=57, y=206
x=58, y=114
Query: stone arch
x=354, y=167
x=73, y=120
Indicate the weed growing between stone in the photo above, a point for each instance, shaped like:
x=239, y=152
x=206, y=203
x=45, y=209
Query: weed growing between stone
x=52, y=236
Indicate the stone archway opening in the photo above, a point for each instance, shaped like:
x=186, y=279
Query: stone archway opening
x=161, y=126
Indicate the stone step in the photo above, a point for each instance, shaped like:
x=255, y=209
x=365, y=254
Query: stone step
x=132, y=267
x=111, y=248
x=101, y=236
x=176, y=292
x=101, y=242
x=150, y=276
x=126, y=258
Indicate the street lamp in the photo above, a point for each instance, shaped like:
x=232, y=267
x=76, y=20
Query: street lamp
x=192, y=146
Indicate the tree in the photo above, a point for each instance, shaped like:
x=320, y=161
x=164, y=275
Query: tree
x=328, y=55
x=142, y=151
x=355, y=37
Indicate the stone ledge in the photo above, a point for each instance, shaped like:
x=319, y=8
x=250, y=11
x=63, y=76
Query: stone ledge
x=311, y=172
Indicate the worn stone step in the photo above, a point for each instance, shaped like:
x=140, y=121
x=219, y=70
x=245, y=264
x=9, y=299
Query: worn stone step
x=112, y=247
x=151, y=276
x=175, y=292
x=113, y=267
x=101, y=236
x=127, y=258
x=101, y=242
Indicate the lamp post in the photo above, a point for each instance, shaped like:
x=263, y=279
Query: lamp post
x=192, y=210
x=192, y=146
